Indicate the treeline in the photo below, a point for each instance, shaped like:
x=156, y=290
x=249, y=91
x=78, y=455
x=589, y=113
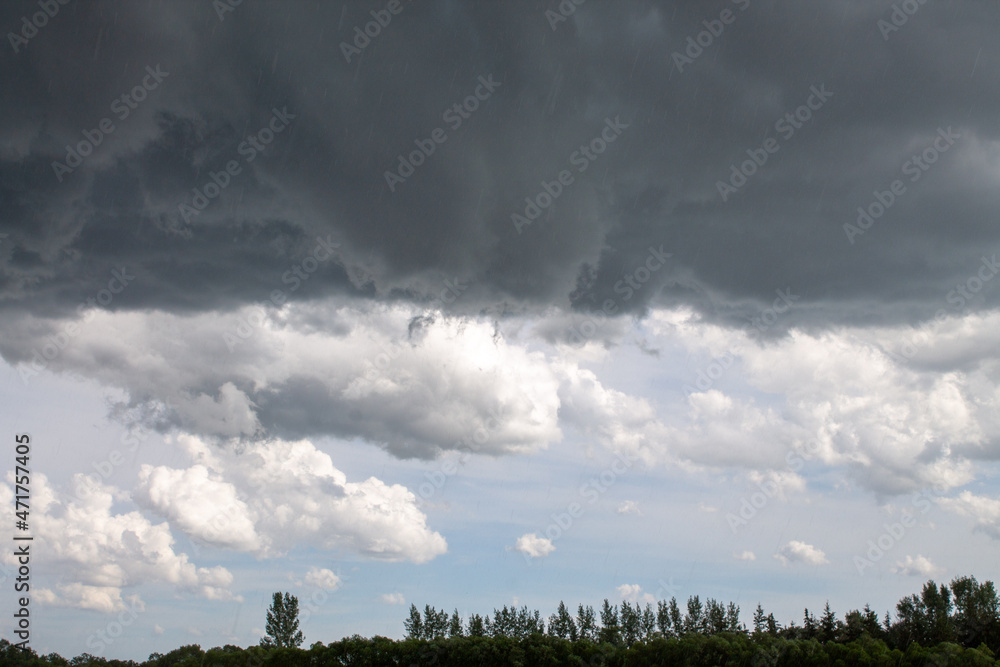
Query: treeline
x=626, y=625
x=965, y=612
x=956, y=624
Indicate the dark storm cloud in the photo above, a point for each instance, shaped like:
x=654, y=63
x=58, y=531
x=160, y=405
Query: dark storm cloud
x=534, y=98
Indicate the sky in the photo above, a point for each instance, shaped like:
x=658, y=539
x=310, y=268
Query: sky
x=480, y=304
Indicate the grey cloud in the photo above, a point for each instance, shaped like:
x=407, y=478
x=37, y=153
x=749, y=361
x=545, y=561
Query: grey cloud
x=656, y=184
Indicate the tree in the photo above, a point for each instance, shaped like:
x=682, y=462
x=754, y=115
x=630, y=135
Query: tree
x=413, y=625
x=714, y=616
x=733, y=619
x=663, y=618
x=631, y=623
x=674, y=612
x=977, y=612
x=648, y=623
x=810, y=627
x=585, y=622
x=610, y=628
x=476, y=626
x=828, y=624
x=869, y=621
x=759, y=621
x=455, y=627
x=283, y=623
x=436, y=623
x=693, y=620
x=561, y=624
x=772, y=626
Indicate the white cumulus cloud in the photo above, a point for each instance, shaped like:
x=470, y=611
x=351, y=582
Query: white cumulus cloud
x=917, y=567
x=321, y=577
x=531, y=544
x=272, y=495
x=800, y=552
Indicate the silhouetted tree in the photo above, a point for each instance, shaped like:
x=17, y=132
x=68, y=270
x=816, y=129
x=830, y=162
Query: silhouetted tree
x=759, y=621
x=561, y=624
x=810, y=627
x=476, y=627
x=675, y=617
x=455, y=626
x=413, y=625
x=693, y=620
x=828, y=624
x=630, y=626
x=647, y=623
x=733, y=619
x=282, y=628
x=610, y=628
x=586, y=623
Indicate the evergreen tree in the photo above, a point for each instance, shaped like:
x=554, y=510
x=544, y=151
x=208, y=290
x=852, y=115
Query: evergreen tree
x=663, y=618
x=282, y=626
x=810, y=627
x=648, y=623
x=869, y=622
x=436, y=623
x=455, y=627
x=630, y=623
x=504, y=622
x=489, y=627
x=714, y=616
x=827, y=624
x=693, y=620
x=772, y=626
x=675, y=617
x=476, y=627
x=853, y=627
x=733, y=619
x=561, y=624
x=413, y=625
x=610, y=627
x=586, y=623
x=527, y=623
x=759, y=621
